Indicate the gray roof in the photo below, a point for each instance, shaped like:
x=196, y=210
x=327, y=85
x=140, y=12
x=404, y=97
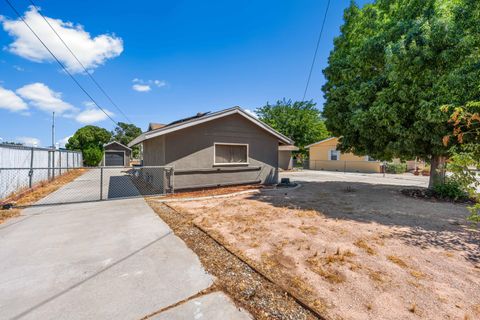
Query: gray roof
x=204, y=117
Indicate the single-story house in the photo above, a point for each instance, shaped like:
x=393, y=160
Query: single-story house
x=226, y=147
x=285, y=158
x=323, y=155
x=116, y=154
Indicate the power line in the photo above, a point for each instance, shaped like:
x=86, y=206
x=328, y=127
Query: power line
x=316, y=50
x=59, y=62
x=81, y=64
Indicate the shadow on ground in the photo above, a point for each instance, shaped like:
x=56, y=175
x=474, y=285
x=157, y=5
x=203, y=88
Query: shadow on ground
x=417, y=222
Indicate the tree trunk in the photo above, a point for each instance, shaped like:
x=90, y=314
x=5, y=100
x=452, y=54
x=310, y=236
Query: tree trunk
x=437, y=171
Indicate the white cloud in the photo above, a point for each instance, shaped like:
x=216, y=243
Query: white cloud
x=92, y=52
x=10, y=101
x=141, y=87
x=250, y=112
x=62, y=142
x=29, y=141
x=44, y=98
x=160, y=83
x=91, y=114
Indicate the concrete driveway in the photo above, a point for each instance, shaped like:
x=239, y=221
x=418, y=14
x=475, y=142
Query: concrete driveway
x=370, y=178
x=100, y=260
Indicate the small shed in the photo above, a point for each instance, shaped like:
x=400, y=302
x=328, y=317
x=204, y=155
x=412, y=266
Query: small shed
x=285, y=159
x=116, y=154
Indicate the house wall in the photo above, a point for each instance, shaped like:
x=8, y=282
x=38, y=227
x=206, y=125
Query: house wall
x=285, y=160
x=191, y=152
x=319, y=159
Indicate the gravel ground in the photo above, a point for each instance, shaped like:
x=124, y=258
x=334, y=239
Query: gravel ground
x=353, y=246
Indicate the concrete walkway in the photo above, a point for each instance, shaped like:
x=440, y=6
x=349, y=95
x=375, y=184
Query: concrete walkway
x=99, y=260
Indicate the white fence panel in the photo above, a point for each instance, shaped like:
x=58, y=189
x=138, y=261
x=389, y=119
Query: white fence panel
x=17, y=162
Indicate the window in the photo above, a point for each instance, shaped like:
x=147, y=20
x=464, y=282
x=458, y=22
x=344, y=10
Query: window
x=231, y=153
x=334, y=155
x=370, y=159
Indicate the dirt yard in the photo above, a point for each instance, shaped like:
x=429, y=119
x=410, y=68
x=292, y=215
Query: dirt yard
x=354, y=250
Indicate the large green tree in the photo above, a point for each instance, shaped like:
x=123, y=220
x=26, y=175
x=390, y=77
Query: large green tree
x=124, y=133
x=90, y=140
x=301, y=121
x=393, y=67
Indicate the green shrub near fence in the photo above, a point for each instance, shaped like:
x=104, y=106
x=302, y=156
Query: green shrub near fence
x=396, y=168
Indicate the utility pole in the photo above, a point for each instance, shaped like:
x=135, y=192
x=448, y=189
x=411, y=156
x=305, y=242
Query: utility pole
x=53, y=130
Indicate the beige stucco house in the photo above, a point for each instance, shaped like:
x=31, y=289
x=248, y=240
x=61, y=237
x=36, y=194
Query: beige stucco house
x=220, y=148
x=323, y=155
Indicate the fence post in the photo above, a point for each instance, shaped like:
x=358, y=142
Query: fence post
x=53, y=164
x=48, y=173
x=67, y=161
x=60, y=158
x=30, y=173
x=101, y=183
x=344, y=166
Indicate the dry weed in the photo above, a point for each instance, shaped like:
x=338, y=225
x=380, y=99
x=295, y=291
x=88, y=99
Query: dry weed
x=363, y=245
x=397, y=261
x=309, y=229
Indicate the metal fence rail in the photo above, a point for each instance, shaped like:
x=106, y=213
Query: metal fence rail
x=17, y=163
x=95, y=183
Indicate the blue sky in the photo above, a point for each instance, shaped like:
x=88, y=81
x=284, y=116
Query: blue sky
x=182, y=57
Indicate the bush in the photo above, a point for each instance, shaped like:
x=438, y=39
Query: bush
x=474, y=217
x=92, y=156
x=396, y=168
x=451, y=189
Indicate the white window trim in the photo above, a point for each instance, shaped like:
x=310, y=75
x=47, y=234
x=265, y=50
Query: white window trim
x=215, y=163
x=330, y=154
x=366, y=159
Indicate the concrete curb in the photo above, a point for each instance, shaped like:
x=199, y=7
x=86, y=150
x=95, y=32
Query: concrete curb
x=228, y=195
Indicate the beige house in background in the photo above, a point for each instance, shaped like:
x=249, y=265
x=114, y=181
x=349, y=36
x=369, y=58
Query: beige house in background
x=323, y=155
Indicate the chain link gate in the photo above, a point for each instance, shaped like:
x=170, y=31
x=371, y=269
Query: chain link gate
x=91, y=183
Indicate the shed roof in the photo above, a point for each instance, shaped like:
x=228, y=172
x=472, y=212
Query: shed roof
x=117, y=143
x=204, y=117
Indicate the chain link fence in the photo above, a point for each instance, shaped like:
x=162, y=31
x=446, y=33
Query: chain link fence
x=89, y=183
x=18, y=162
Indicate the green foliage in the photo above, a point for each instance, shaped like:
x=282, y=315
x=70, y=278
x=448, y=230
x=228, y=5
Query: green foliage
x=301, y=121
x=466, y=156
x=393, y=66
x=92, y=156
x=396, y=168
x=451, y=189
x=474, y=214
x=89, y=140
x=125, y=133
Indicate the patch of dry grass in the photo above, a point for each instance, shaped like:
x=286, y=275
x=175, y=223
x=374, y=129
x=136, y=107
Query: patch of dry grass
x=7, y=214
x=362, y=244
x=399, y=262
x=309, y=229
x=325, y=266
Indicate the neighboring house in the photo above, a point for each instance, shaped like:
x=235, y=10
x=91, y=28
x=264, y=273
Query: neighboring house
x=116, y=154
x=220, y=148
x=285, y=158
x=323, y=155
